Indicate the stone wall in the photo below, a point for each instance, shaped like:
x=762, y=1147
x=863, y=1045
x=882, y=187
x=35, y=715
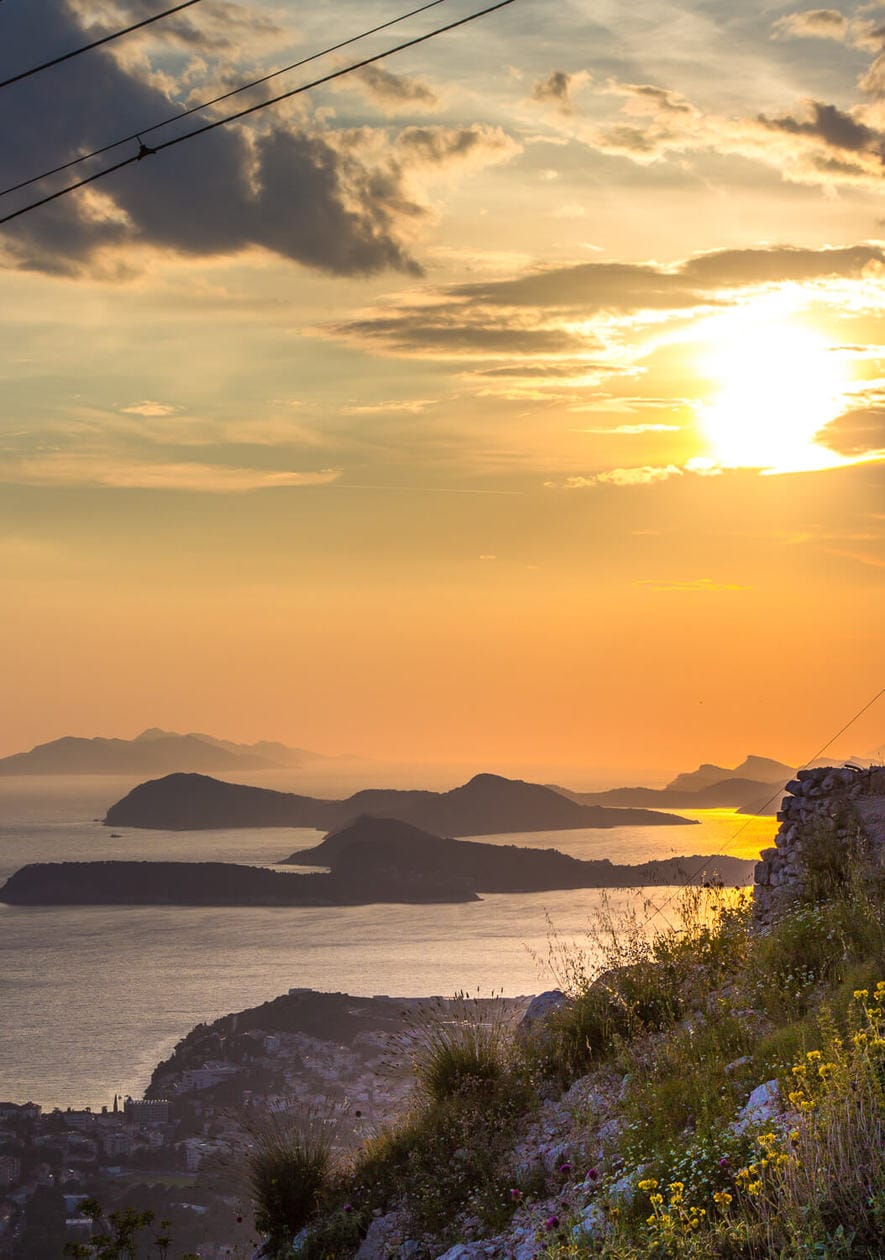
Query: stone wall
x=840, y=807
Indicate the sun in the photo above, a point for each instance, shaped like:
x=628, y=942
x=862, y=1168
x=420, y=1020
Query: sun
x=776, y=381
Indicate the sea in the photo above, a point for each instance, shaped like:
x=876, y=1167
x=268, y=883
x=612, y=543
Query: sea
x=92, y=998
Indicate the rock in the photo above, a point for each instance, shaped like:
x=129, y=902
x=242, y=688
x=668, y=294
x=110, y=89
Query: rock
x=593, y=1223
x=460, y=1251
x=761, y=1107
x=737, y=1064
x=381, y=1238
x=543, y=1005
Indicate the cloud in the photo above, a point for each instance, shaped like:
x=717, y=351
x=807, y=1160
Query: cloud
x=556, y=89
x=408, y=406
x=395, y=92
x=630, y=430
x=813, y=24
x=645, y=476
x=835, y=128
x=149, y=409
x=829, y=24
x=693, y=586
x=68, y=469
x=645, y=98
x=322, y=198
x=858, y=432
x=539, y=324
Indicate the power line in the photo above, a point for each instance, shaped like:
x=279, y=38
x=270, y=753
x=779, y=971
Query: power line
x=814, y=756
x=146, y=151
x=97, y=43
x=195, y=109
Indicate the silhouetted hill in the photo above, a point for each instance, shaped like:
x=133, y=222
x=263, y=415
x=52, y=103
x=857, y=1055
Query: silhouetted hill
x=152, y=752
x=709, y=787
x=220, y=884
x=760, y=769
x=487, y=805
x=370, y=845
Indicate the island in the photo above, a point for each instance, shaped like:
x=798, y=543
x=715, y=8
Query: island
x=154, y=751
x=369, y=861
x=488, y=804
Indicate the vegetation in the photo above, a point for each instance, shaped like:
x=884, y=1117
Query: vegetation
x=672, y=1030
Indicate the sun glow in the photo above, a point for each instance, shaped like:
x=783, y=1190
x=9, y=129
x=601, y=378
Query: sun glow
x=776, y=383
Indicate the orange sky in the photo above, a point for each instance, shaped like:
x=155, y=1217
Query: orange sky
x=517, y=402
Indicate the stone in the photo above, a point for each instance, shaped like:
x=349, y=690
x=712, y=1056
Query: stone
x=381, y=1238
x=761, y=1107
x=543, y=1005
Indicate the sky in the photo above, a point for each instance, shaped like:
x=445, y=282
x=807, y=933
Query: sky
x=517, y=398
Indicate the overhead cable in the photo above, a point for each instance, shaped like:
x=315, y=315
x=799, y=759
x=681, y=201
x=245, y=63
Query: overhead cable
x=96, y=43
x=147, y=151
x=195, y=109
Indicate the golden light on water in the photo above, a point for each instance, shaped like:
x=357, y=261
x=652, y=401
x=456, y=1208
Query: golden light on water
x=776, y=383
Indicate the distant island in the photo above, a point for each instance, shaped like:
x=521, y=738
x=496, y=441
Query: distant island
x=154, y=751
x=370, y=860
x=487, y=805
x=753, y=787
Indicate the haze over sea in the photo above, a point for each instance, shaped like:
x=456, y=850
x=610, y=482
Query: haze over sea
x=93, y=997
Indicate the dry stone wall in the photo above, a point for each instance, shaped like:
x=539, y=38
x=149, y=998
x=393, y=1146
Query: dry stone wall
x=840, y=809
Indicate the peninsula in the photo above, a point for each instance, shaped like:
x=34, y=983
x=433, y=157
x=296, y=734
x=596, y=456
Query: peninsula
x=486, y=805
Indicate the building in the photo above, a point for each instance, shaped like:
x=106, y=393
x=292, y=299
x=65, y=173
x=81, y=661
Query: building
x=147, y=1110
x=10, y=1170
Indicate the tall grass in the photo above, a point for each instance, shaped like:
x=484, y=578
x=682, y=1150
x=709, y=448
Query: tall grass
x=287, y=1168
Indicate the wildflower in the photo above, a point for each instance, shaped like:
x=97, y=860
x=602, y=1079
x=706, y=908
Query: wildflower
x=860, y=995
x=656, y=1199
x=650, y=1183
x=347, y=1208
x=826, y=1070
x=794, y=1136
x=724, y=1161
x=592, y=1174
x=722, y=1198
x=565, y=1167
x=551, y=1222
x=800, y=1070
x=813, y=1055
x=754, y=1187
x=516, y=1195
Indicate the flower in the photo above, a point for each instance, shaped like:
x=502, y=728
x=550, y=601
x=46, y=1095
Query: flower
x=551, y=1222
x=516, y=1195
x=722, y=1198
x=565, y=1167
x=650, y=1183
x=592, y=1174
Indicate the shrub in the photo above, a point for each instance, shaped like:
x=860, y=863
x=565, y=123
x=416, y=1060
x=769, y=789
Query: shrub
x=287, y=1168
x=457, y=1046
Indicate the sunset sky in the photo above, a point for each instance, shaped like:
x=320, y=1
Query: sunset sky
x=517, y=399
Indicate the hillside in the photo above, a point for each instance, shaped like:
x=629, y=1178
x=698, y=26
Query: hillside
x=711, y=1091
x=487, y=805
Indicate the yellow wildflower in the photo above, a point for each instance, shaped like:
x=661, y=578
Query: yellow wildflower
x=650, y=1183
x=860, y=995
x=754, y=1187
x=722, y=1198
x=826, y=1070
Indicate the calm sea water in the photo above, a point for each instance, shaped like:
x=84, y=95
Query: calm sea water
x=92, y=997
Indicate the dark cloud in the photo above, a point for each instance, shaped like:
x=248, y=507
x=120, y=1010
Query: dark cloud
x=637, y=286
x=556, y=89
x=833, y=127
x=529, y=315
x=306, y=195
x=857, y=432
